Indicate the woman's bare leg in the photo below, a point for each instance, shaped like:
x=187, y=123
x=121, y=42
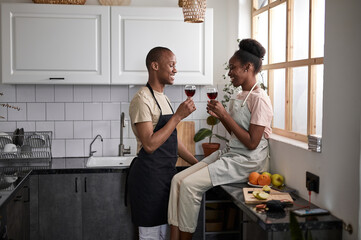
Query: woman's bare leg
x=174, y=233
x=185, y=235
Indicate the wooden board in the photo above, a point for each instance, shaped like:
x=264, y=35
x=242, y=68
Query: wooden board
x=186, y=131
x=274, y=195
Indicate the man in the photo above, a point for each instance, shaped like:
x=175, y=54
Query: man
x=154, y=125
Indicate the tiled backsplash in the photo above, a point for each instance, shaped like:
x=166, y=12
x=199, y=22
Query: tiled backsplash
x=77, y=113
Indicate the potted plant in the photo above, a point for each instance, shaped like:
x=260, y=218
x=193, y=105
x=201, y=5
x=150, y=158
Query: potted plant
x=229, y=90
x=209, y=147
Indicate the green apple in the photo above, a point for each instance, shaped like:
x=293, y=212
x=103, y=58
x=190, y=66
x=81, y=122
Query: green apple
x=263, y=195
x=267, y=173
x=266, y=189
x=277, y=180
x=255, y=193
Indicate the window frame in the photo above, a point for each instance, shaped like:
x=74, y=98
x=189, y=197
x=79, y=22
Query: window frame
x=310, y=63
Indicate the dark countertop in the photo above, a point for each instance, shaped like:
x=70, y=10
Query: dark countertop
x=280, y=222
x=56, y=166
x=266, y=222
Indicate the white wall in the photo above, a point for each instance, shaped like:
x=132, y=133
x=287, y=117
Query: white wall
x=338, y=166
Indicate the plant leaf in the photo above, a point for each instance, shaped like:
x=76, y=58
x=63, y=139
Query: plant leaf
x=221, y=137
x=212, y=120
x=202, y=134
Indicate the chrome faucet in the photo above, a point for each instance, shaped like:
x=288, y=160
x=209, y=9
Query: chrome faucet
x=122, y=150
x=90, y=150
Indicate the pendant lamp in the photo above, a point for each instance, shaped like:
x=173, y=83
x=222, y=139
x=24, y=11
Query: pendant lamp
x=193, y=10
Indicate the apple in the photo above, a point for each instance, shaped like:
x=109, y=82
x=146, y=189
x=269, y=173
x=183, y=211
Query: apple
x=266, y=189
x=255, y=193
x=267, y=173
x=277, y=180
x=263, y=195
x=260, y=195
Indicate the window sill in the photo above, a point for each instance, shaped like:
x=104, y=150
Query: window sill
x=290, y=141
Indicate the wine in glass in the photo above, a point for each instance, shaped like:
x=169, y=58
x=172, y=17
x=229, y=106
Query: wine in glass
x=212, y=93
x=190, y=90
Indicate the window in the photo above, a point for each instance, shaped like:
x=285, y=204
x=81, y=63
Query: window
x=293, y=64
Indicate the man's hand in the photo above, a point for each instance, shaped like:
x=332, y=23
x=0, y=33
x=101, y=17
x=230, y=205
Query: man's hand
x=185, y=109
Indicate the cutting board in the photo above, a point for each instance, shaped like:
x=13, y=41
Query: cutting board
x=274, y=195
x=186, y=131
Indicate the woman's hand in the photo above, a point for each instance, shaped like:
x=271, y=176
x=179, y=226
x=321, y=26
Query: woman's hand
x=216, y=109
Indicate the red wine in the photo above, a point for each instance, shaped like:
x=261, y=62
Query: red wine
x=212, y=95
x=190, y=92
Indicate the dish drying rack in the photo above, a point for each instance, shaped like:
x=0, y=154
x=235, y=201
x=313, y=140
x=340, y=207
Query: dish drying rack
x=35, y=149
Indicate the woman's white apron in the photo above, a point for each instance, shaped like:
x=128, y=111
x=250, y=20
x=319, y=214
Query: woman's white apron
x=234, y=163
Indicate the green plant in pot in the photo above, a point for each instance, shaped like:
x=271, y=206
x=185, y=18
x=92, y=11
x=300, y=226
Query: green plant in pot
x=209, y=147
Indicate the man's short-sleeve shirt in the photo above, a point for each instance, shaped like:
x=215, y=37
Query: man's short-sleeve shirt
x=143, y=108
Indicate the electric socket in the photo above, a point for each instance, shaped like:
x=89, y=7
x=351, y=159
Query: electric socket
x=312, y=182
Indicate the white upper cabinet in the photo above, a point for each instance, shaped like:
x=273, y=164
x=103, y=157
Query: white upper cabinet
x=90, y=44
x=134, y=31
x=55, y=44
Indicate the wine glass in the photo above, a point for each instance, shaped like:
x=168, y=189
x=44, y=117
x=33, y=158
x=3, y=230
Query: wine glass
x=190, y=90
x=212, y=93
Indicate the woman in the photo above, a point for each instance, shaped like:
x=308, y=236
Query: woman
x=248, y=121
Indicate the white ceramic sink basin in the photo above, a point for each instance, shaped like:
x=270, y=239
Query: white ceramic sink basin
x=109, y=161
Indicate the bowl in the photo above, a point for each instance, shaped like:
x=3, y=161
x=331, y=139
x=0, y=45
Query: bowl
x=10, y=178
x=10, y=148
x=4, y=139
x=36, y=140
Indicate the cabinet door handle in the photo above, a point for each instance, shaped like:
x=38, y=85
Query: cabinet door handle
x=27, y=194
x=84, y=184
x=56, y=78
x=76, y=184
x=18, y=198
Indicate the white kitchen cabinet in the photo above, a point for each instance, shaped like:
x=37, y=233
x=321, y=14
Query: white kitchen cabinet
x=134, y=31
x=71, y=44
x=55, y=44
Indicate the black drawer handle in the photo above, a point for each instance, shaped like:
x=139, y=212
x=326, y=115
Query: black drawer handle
x=76, y=184
x=18, y=198
x=84, y=184
x=56, y=78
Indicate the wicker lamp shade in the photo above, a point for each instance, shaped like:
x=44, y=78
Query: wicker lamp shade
x=180, y=3
x=114, y=2
x=193, y=10
x=78, y=2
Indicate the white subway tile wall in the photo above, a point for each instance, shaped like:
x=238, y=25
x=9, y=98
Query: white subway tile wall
x=36, y=111
x=55, y=111
x=64, y=93
x=82, y=129
x=74, y=111
x=17, y=115
x=76, y=114
x=10, y=91
x=44, y=93
x=82, y=93
x=26, y=125
x=25, y=93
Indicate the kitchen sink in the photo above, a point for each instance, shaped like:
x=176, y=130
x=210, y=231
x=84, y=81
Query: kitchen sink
x=123, y=161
